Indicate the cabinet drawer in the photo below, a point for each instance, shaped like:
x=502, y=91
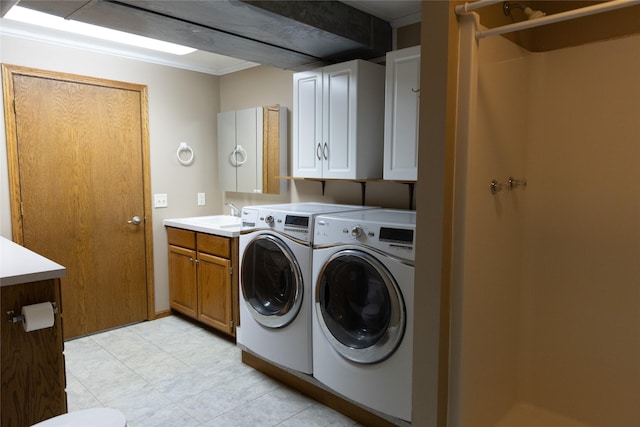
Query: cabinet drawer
x=179, y=237
x=214, y=245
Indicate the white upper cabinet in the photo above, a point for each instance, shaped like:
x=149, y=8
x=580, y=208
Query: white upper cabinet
x=240, y=150
x=402, y=103
x=338, y=116
x=252, y=149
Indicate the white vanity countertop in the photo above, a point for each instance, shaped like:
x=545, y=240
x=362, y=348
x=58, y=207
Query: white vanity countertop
x=221, y=225
x=20, y=265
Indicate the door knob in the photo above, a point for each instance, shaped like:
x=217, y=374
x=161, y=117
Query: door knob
x=135, y=220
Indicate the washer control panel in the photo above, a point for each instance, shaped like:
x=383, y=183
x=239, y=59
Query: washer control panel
x=292, y=224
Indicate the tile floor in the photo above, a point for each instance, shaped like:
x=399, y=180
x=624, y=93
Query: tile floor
x=171, y=372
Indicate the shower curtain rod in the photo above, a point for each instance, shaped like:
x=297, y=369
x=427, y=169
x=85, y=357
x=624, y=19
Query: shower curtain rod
x=470, y=7
x=549, y=19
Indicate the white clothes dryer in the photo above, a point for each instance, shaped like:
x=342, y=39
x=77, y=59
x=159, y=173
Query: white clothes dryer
x=363, y=282
x=275, y=281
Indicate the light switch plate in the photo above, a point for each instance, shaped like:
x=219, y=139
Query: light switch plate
x=201, y=199
x=160, y=201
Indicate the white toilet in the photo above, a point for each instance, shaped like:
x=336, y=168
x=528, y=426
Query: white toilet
x=94, y=417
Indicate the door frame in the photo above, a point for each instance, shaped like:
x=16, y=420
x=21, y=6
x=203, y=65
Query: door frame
x=8, y=71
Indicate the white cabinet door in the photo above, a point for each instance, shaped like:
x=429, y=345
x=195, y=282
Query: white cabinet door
x=339, y=121
x=226, y=149
x=249, y=150
x=339, y=117
x=402, y=114
x=307, y=124
x=240, y=150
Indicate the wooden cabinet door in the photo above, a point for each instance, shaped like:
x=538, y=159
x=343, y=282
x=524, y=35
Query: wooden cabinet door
x=183, y=291
x=307, y=124
x=214, y=292
x=33, y=375
x=402, y=107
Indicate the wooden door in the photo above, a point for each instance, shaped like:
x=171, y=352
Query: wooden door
x=78, y=159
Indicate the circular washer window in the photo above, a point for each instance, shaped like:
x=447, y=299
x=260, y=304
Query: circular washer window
x=359, y=307
x=271, y=282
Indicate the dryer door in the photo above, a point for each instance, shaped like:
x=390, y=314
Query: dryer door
x=359, y=306
x=272, y=284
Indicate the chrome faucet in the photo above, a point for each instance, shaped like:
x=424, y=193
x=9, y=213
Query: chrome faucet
x=234, y=209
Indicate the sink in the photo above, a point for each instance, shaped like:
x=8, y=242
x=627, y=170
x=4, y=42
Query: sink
x=223, y=225
x=223, y=221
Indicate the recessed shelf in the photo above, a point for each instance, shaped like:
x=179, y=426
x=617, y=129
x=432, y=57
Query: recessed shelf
x=363, y=185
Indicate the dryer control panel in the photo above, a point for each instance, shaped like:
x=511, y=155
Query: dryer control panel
x=391, y=238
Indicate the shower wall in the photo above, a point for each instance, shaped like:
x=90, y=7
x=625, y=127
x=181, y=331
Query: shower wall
x=490, y=289
x=581, y=270
x=549, y=286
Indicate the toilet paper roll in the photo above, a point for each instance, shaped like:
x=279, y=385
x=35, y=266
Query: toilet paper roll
x=37, y=316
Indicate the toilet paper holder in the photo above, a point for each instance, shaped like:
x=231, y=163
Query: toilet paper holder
x=13, y=318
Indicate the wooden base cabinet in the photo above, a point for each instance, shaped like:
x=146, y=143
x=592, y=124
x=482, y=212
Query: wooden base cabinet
x=33, y=375
x=203, y=277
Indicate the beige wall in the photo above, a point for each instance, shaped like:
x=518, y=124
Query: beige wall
x=549, y=309
x=253, y=88
x=264, y=86
x=182, y=107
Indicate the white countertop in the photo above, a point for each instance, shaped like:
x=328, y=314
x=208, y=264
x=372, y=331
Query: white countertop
x=221, y=225
x=20, y=265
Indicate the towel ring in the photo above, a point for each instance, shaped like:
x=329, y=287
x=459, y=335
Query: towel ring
x=238, y=156
x=185, y=147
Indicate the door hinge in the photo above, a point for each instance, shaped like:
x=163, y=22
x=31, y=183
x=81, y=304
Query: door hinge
x=21, y=208
x=231, y=270
x=231, y=324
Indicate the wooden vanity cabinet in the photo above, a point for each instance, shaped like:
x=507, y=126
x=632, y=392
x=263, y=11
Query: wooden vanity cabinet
x=203, y=277
x=33, y=372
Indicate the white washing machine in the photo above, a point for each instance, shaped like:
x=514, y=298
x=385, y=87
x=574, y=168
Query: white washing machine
x=363, y=281
x=275, y=281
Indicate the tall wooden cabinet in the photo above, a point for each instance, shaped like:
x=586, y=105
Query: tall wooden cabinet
x=402, y=111
x=338, y=121
x=203, y=277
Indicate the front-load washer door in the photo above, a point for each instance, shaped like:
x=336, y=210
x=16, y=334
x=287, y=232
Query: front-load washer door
x=359, y=306
x=272, y=284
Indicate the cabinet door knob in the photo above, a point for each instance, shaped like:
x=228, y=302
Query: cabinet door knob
x=319, y=151
x=325, y=151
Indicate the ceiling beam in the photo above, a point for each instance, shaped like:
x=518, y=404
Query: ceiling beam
x=292, y=35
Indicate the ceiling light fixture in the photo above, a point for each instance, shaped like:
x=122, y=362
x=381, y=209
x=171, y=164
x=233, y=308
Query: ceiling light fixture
x=33, y=17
